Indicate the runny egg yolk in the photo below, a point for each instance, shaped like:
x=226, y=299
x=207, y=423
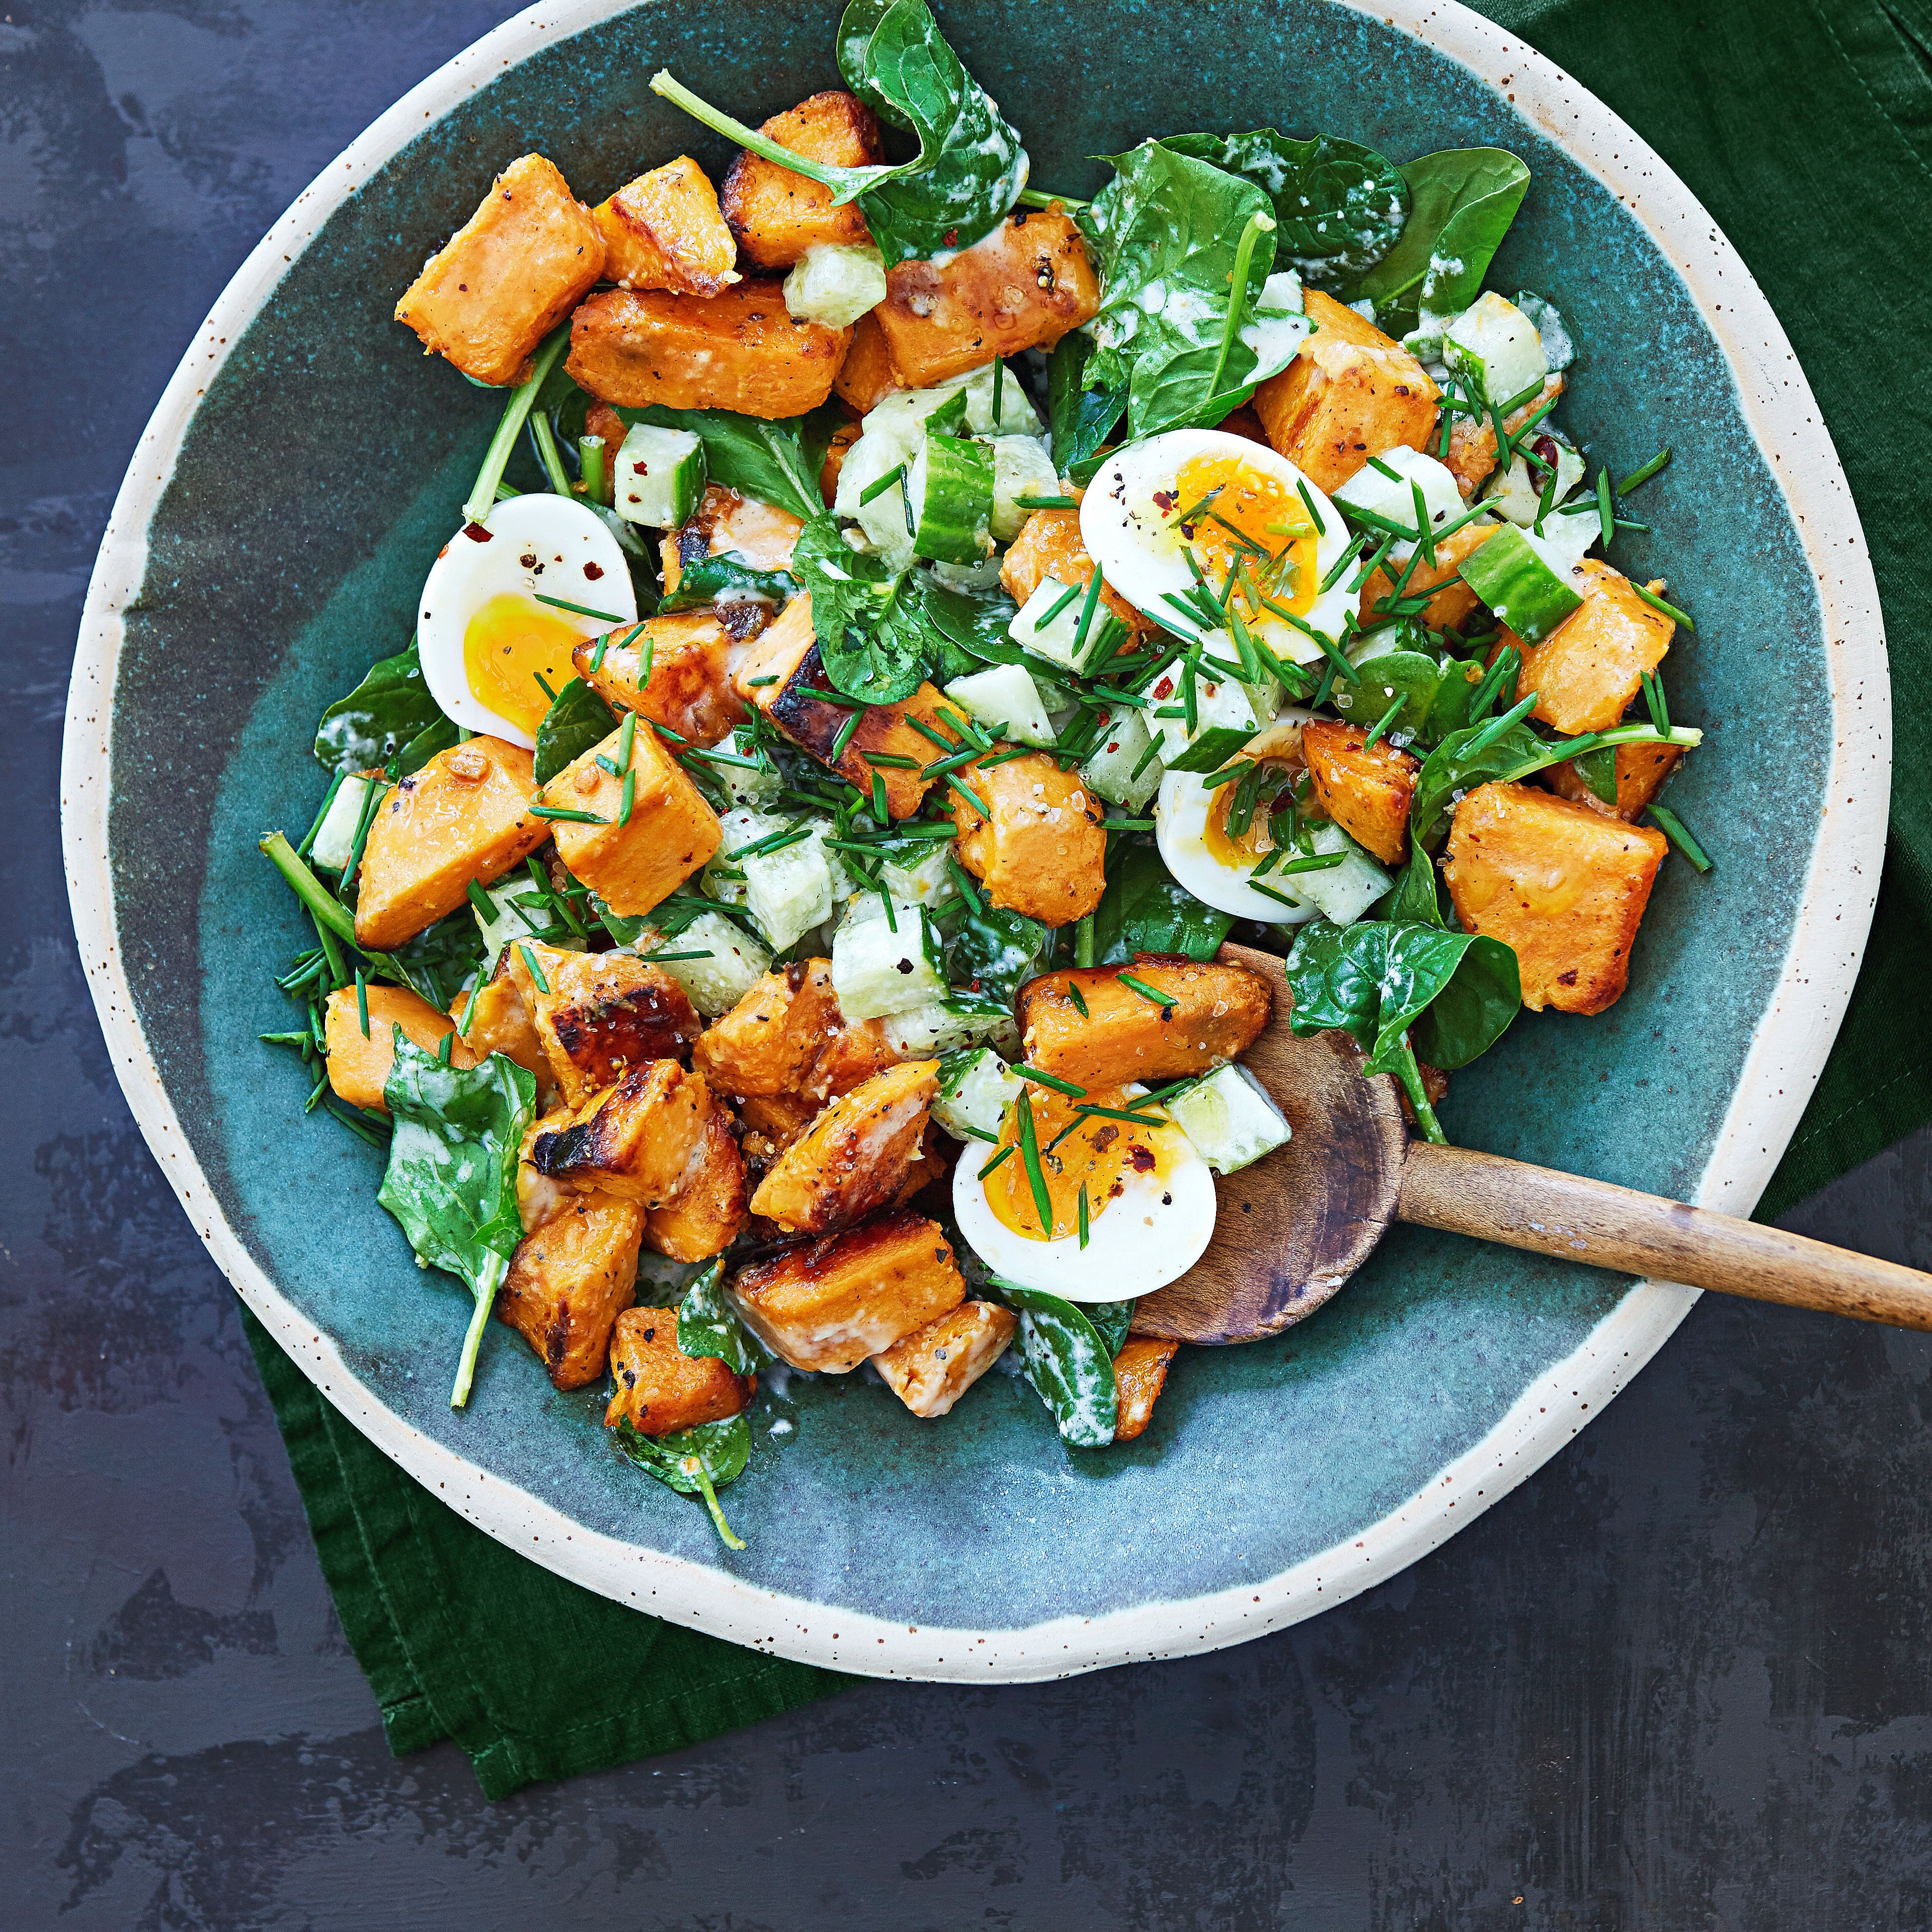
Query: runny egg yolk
x=1230, y=513
x=1240, y=850
x=508, y=644
x=1098, y=1154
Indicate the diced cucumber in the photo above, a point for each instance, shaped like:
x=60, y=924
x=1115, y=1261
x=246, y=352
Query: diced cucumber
x=882, y=964
x=1017, y=416
x=1513, y=577
x=981, y=576
x=975, y=1088
x=747, y=787
x=1559, y=350
x=1048, y=622
x=786, y=891
x=1494, y=347
x=835, y=285
x=1225, y=706
x=716, y=984
x=1279, y=326
x=1385, y=487
x=660, y=477
x=933, y=1027
x=1021, y=468
x=1517, y=493
x=927, y=882
x=1229, y=1119
x=1564, y=539
x=1121, y=770
x=333, y=845
x=1343, y=892
x=1005, y=695
x=950, y=485
x=516, y=911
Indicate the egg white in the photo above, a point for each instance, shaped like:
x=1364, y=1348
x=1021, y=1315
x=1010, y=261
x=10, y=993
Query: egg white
x=1140, y=553
x=558, y=537
x=1180, y=832
x=1139, y=1241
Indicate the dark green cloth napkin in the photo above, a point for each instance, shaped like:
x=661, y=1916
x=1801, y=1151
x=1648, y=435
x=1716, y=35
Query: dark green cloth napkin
x=1805, y=127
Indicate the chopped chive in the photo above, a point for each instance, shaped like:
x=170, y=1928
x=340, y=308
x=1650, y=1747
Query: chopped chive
x=536, y=971
x=1670, y=611
x=1659, y=461
x=1146, y=758
x=314, y=831
x=1073, y=992
x=627, y=799
x=1054, y=1080
x=772, y=841
x=837, y=699
x=567, y=815
x=597, y=655
x=1029, y=1145
x=759, y=683
x=1081, y=1205
x=1044, y=503
x=880, y=809
x=1315, y=862
x=1314, y=514
x=1279, y=898
x=1496, y=727
x=1607, y=514
x=846, y=732
x=362, y=1001
x=580, y=610
x=1387, y=719
x=1674, y=828
x=706, y=953
x=966, y=792
x=1426, y=534
x=1003, y=1154
x=905, y=497
x=1658, y=704
x=610, y=765
x=1126, y=825
x=883, y=483
x=446, y=1046
x=999, y=378
x=1139, y=1120
x=1146, y=992
x=627, y=739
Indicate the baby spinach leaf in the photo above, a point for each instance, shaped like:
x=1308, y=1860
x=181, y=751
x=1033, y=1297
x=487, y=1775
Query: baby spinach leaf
x=1111, y=1321
x=1458, y=765
x=1341, y=207
x=707, y=1326
x=707, y=578
x=872, y=638
x=389, y=714
x=991, y=951
x=697, y=1462
x=578, y=720
x=1473, y=1010
x=1463, y=200
x=772, y=461
x=1069, y=1363
x=1412, y=675
x=1416, y=900
x=1081, y=419
x=1145, y=910
x=1212, y=750
x=451, y=1180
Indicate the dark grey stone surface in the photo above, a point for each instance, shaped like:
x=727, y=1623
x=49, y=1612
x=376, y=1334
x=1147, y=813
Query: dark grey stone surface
x=1682, y=1678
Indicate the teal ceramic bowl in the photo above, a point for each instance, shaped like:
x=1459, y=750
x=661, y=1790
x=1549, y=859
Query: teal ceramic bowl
x=297, y=480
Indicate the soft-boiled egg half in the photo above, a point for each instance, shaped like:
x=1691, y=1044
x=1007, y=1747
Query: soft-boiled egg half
x=1196, y=506
x=488, y=646
x=1150, y=1201
x=1216, y=839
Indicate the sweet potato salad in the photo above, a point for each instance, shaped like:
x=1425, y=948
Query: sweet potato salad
x=770, y=917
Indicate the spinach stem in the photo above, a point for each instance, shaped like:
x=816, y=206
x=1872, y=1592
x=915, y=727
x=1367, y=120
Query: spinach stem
x=845, y=183
x=727, y=1535
x=329, y=911
x=494, y=1270
x=1259, y=223
x=1035, y=197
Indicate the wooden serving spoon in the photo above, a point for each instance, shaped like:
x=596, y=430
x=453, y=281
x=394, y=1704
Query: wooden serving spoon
x=1293, y=1228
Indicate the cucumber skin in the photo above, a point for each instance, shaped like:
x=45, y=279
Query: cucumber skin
x=954, y=517
x=1518, y=586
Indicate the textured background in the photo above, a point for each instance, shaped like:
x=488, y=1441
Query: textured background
x=1681, y=1678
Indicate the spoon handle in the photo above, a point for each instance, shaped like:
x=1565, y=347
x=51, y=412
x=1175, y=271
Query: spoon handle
x=1579, y=1220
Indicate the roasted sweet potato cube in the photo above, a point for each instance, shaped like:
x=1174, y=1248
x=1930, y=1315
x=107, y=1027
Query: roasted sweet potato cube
x=598, y=1015
x=537, y=1196
x=1243, y=422
x=1037, y=847
x=569, y=1281
x=843, y=438
x=1364, y=788
x=828, y=1304
x=1218, y=1011
x=1588, y=671
x=1351, y=393
x=1563, y=885
x=1641, y=771
x=848, y=1057
x=771, y=1122
x=931, y=1161
x=739, y=351
x=762, y=534
x=1139, y=1371
x=931, y=1368
x=671, y=834
x=866, y=376
x=643, y=1139
x=507, y=276
x=1049, y=544
x=776, y=215
x=709, y=1215
x=661, y=1389
x=501, y=1023
x=1453, y=600
x=359, y=1062
x=1472, y=441
x=690, y=692
x=664, y=231
x=602, y=421
x=852, y=1159
x=766, y=1044
x=1022, y=286
x=788, y=655
x=464, y=816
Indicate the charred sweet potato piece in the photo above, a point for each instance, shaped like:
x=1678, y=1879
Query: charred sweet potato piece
x=1587, y=672
x=776, y=215
x=1037, y=847
x=1217, y=1013
x=1563, y=885
x=866, y=376
x=568, y=1281
x=766, y=1044
x=1351, y=393
x=501, y=1023
x=725, y=521
x=931, y=1368
x=849, y=1057
x=828, y=1304
x=1641, y=771
x=642, y=1140
x=853, y=1158
x=464, y=816
x=690, y=691
x=664, y=231
x=598, y=1015
x=1022, y=286
x=1472, y=442
x=1139, y=1371
x=740, y=351
x=537, y=1196
x=671, y=833
x=1364, y=788
x=507, y=276
x=359, y=1062
x=1453, y=600
x=787, y=654
x=1049, y=544
x=771, y=1122
x=661, y=1389
x=709, y=1215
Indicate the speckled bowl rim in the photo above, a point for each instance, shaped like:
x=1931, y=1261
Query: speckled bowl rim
x=1780, y=1070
